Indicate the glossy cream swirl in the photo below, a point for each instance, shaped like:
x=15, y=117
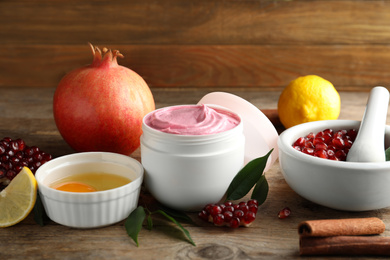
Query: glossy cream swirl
x=192, y=120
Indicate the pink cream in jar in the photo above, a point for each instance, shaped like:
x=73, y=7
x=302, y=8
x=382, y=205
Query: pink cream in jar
x=191, y=153
x=192, y=120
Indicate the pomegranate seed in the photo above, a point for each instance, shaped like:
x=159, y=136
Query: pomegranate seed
x=14, y=145
x=2, y=149
x=218, y=219
x=204, y=215
x=249, y=217
x=309, y=151
x=11, y=174
x=321, y=154
x=318, y=140
x=310, y=135
x=29, y=151
x=229, y=208
x=328, y=131
x=298, y=148
x=338, y=142
x=215, y=210
x=234, y=223
x=7, y=139
x=243, y=206
x=208, y=208
x=238, y=213
x=321, y=146
x=228, y=203
x=253, y=208
x=327, y=137
x=284, y=213
x=348, y=143
x=300, y=142
x=10, y=152
x=309, y=144
x=21, y=144
x=352, y=133
x=14, y=160
x=35, y=149
x=228, y=215
x=330, y=153
x=253, y=202
x=37, y=156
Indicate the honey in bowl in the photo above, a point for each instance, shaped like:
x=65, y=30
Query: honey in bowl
x=90, y=182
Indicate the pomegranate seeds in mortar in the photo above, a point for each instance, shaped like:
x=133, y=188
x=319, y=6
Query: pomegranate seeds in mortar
x=14, y=155
x=327, y=144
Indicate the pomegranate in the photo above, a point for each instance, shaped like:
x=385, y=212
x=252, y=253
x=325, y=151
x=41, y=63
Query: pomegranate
x=100, y=107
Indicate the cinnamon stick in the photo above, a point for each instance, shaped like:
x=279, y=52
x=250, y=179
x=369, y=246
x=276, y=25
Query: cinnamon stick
x=341, y=227
x=345, y=245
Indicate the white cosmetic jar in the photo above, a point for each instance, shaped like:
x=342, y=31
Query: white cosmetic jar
x=186, y=172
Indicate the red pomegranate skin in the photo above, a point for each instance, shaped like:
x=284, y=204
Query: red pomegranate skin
x=100, y=107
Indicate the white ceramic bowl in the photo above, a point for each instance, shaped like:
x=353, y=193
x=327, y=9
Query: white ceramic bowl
x=92, y=209
x=350, y=186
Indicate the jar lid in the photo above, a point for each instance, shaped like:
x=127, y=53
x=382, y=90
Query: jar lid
x=260, y=134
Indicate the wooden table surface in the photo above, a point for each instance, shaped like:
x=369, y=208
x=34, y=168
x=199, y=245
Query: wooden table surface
x=27, y=113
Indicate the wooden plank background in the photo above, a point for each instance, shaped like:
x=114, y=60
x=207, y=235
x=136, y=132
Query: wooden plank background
x=258, y=44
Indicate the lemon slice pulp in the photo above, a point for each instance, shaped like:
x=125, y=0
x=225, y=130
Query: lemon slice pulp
x=18, y=198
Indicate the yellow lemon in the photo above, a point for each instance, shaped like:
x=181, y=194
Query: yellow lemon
x=308, y=98
x=18, y=198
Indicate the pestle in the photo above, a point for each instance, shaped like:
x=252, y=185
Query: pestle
x=369, y=145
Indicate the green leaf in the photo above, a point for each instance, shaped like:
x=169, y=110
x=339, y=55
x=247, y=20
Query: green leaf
x=387, y=153
x=150, y=222
x=134, y=222
x=39, y=212
x=247, y=177
x=260, y=192
x=178, y=215
x=185, y=231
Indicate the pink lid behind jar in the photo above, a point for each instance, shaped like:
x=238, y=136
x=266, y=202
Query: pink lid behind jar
x=260, y=134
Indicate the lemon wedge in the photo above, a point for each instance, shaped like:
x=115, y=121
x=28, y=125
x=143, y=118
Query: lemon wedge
x=18, y=198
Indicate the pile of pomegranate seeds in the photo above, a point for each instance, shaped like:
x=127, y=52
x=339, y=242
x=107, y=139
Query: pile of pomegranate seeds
x=229, y=214
x=14, y=154
x=327, y=144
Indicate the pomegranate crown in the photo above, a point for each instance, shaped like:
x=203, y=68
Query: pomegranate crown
x=104, y=55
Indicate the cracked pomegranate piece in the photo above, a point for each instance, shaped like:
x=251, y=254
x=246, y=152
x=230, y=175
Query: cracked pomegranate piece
x=14, y=155
x=229, y=214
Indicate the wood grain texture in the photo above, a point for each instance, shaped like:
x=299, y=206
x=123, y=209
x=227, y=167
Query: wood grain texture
x=252, y=43
x=265, y=67
x=203, y=22
x=26, y=113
